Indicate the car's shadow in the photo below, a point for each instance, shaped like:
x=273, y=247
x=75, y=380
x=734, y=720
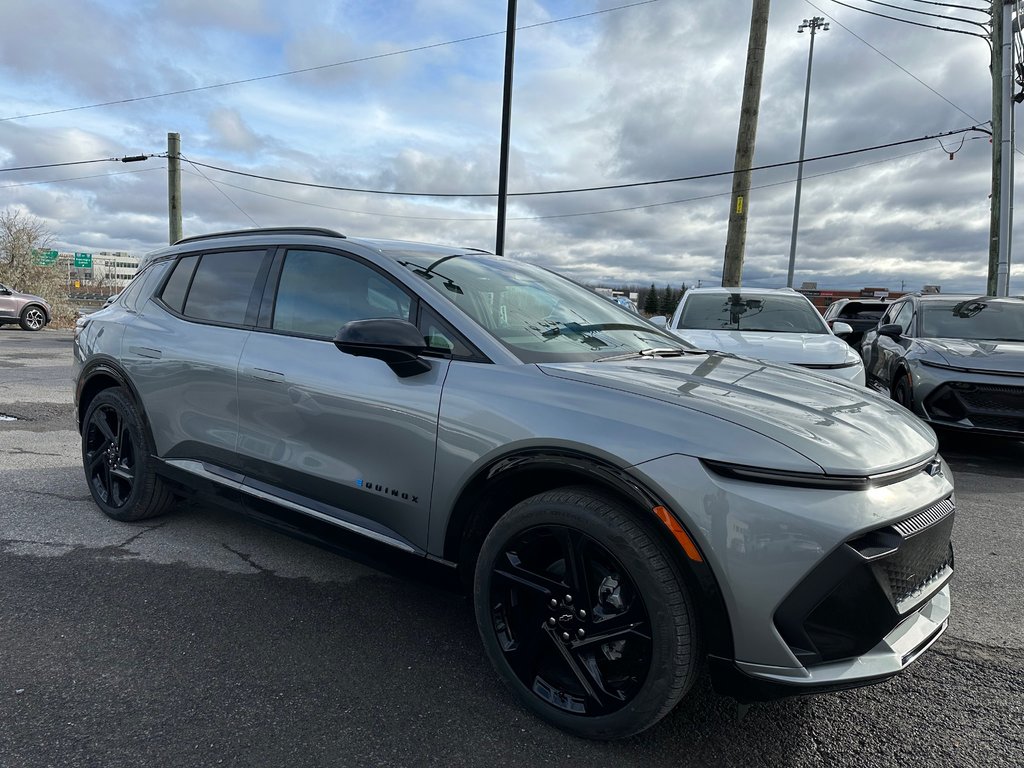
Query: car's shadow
x=982, y=454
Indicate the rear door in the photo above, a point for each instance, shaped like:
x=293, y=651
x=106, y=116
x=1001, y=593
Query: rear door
x=181, y=351
x=326, y=433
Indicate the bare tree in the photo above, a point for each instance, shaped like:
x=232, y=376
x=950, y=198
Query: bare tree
x=21, y=235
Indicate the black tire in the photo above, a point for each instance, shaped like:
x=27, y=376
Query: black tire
x=32, y=318
x=586, y=562
x=902, y=392
x=117, y=456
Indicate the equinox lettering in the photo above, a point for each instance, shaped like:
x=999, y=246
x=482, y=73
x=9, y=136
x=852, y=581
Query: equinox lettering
x=385, y=491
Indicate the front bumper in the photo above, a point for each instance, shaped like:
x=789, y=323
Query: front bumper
x=983, y=402
x=825, y=588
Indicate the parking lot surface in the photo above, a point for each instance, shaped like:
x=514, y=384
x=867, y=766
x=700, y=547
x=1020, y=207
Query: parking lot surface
x=206, y=638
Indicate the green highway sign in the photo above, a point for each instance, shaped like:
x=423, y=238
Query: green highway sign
x=44, y=258
x=83, y=261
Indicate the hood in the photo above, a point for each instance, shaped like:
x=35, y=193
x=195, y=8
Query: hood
x=844, y=429
x=976, y=354
x=822, y=348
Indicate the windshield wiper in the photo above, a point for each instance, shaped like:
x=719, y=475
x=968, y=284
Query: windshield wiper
x=653, y=352
x=562, y=328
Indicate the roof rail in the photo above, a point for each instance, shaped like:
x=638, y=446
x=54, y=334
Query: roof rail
x=264, y=231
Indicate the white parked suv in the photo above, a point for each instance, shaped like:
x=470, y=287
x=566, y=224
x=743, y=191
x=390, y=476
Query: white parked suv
x=774, y=324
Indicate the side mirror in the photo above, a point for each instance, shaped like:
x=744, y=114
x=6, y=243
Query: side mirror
x=841, y=329
x=396, y=342
x=892, y=330
x=659, y=320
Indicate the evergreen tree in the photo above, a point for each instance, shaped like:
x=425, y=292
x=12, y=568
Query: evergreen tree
x=651, y=301
x=667, y=303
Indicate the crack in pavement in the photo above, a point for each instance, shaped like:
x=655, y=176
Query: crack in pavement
x=143, y=532
x=51, y=494
x=247, y=559
x=23, y=452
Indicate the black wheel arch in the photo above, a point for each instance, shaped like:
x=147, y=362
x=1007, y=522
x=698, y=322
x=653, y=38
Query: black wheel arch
x=98, y=375
x=39, y=306
x=507, y=480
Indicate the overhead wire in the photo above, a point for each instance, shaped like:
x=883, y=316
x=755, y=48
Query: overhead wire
x=359, y=60
x=126, y=159
x=986, y=11
x=80, y=178
x=926, y=13
x=907, y=21
x=599, y=188
x=226, y=196
x=580, y=213
x=892, y=61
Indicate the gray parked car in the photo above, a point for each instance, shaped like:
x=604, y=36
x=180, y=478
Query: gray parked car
x=31, y=312
x=621, y=506
x=955, y=361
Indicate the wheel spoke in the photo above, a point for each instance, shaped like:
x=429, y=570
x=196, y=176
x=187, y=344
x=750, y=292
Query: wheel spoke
x=512, y=571
x=100, y=422
x=92, y=460
x=523, y=654
x=589, y=676
x=573, y=545
x=628, y=623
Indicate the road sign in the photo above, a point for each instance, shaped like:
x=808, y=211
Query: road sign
x=83, y=261
x=44, y=258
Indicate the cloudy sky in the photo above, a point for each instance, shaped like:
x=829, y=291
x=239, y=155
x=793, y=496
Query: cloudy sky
x=406, y=96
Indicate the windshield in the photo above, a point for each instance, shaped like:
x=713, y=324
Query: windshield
x=750, y=312
x=973, y=319
x=538, y=315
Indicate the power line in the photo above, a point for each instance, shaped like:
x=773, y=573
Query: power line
x=987, y=11
x=214, y=184
x=126, y=159
x=893, y=62
x=915, y=23
x=80, y=178
x=600, y=188
x=926, y=13
x=580, y=213
x=319, y=67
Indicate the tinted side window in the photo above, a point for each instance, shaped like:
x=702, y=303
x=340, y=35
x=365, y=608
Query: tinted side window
x=904, y=316
x=441, y=337
x=144, y=284
x=319, y=292
x=131, y=294
x=173, y=294
x=222, y=286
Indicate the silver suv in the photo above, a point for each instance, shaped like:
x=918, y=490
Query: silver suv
x=622, y=506
x=31, y=312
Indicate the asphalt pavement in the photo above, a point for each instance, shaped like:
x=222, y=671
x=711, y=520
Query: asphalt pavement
x=206, y=638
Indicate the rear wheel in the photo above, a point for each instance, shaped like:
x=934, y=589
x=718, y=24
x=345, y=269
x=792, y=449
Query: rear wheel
x=584, y=615
x=32, y=318
x=118, y=459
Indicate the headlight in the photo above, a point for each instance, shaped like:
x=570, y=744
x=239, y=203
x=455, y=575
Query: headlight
x=810, y=480
x=943, y=366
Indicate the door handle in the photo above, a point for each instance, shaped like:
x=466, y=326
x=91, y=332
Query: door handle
x=154, y=354
x=266, y=375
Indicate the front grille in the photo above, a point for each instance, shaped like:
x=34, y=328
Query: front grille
x=862, y=590
x=997, y=407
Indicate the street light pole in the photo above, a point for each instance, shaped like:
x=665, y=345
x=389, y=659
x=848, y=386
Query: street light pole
x=814, y=24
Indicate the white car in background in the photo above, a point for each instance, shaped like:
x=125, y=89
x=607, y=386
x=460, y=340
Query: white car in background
x=774, y=324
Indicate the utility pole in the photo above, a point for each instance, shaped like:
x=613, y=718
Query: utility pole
x=814, y=24
x=736, y=239
x=173, y=187
x=1005, y=139
x=506, y=126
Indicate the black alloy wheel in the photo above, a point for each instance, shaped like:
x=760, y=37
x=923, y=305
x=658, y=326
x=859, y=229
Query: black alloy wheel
x=583, y=614
x=117, y=458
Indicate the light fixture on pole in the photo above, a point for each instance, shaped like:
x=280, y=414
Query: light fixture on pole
x=814, y=24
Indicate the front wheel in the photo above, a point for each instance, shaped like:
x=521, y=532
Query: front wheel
x=118, y=459
x=903, y=393
x=584, y=615
x=32, y=318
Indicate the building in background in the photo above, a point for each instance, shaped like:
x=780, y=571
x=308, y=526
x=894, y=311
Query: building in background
x=105, y=272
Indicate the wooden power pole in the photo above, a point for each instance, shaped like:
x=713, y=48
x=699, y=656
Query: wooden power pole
x=173, y=187
x=736, y=239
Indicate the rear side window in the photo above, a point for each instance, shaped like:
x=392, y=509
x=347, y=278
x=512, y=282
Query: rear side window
x=173, y=294
x=222, y=286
